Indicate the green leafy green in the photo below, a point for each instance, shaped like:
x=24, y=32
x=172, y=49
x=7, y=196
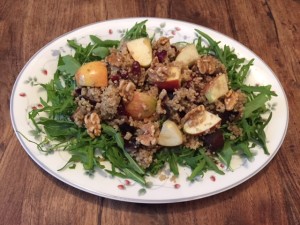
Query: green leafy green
x=105, y=43
x=67, y=64
x=137, y=31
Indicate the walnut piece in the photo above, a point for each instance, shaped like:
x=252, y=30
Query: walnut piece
x=126, y=90
x=210, y=65
x=158, y=72
x=194, y=114
x=231, y=99
x=92, y=124
x=163, y=40
x=146, y=134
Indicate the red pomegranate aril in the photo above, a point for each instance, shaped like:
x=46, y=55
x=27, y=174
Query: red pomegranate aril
x=115, y=78
x=161, y=55
x=136, y=68
x=124, y=75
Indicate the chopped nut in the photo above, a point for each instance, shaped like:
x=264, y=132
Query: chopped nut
x=194, y=113
x=126, y=89
x=210, y=65
x=92, y=124
x=162, y=94
x=163, y=40
x=158, y=72
x=146, y=135
x=231, y=99
x=127, y=136
x=220, y=107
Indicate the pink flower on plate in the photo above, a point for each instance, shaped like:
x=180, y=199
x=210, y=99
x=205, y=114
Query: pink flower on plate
x=213, y=178
x=121, y=187
x=44, y=71
x=177, y=186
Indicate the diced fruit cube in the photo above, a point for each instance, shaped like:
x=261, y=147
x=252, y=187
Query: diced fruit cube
x=188, y=55
x=170, y=135
x=141, y=106
x=173, y=80
x=201, y=123
x=216, y=88
x=92, y=74
x=141, y=51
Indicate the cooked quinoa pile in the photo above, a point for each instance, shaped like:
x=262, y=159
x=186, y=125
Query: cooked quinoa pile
x=97, y=105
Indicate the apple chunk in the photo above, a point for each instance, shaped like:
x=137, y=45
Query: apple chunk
x=141, y=51
x=188, y=55
x=170, y=135
x=92, y=74
x=141, y=106
x=216, y=88
x=173, y=80
x=201, y=123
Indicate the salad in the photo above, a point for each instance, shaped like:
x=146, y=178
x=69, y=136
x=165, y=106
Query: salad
x=143, y=102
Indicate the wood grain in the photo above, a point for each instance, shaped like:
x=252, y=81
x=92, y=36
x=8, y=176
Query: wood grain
x=28, y=195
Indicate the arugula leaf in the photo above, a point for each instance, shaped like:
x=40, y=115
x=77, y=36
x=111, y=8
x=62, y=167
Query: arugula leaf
x=226, y=153
x=244, y=147
x=266, y=90
x=198, y=171
x=120, y=142
x=56, y=129
x=256, y=103
x=137, y=31
x=68, y=64
x=134, y=176
x=172, y=160
x=106, y=43
x=210, y=163
x=102, y=52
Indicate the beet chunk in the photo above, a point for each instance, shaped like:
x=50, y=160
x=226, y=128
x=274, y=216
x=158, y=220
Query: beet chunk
x=214, y=141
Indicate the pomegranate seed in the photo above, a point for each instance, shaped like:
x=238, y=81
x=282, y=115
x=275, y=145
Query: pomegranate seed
x=127, y=182
x=136, y=68
x=124, y=75
x=115, y=78
x=213, y=178
x=22, y=94
x=161, y=55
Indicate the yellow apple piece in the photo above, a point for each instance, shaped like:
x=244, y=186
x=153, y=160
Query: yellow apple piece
x=188, y=55
x=141, y=51
x=216, y=88
x=141, y=106
x=173, y=80
x=92, y=74
x=201, y=123
x=170, y=134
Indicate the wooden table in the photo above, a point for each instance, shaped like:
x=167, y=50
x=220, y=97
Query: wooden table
x=28, y=195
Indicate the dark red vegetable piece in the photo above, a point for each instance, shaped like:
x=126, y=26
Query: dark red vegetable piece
x=214, y=141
